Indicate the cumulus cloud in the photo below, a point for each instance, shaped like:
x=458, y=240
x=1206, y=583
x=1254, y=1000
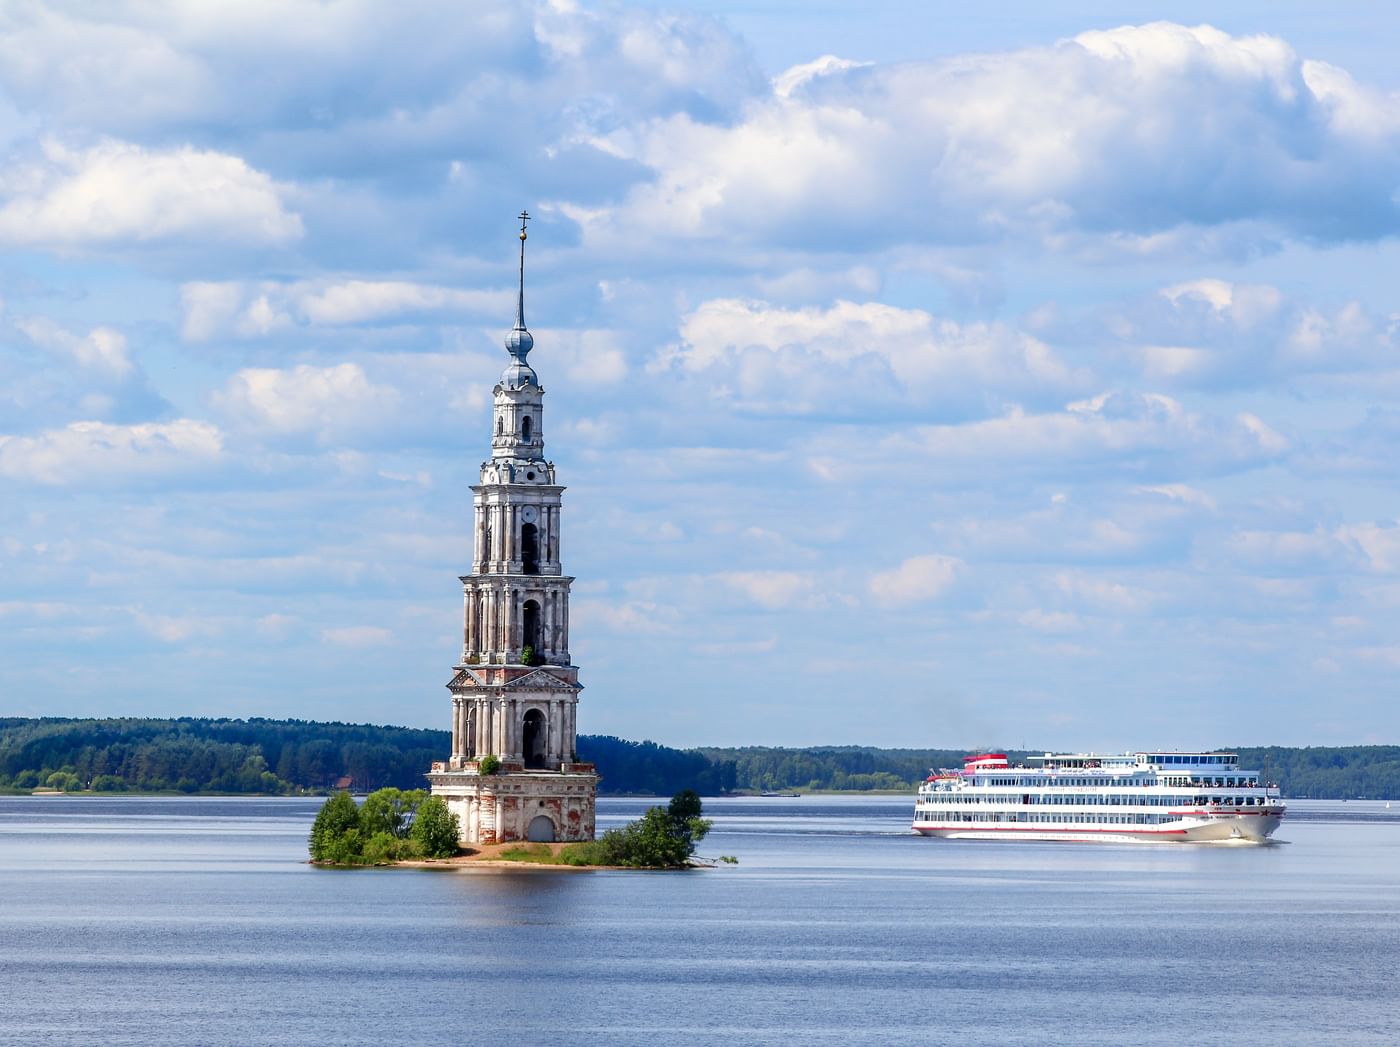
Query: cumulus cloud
x=102, y=349
x=350, y=89
x=827, y=360
x=1100, y=136
x=772, y=590
x=254, y=309
x=121, y=193
x=1134, y=434
x=86, y=451
x=328, y=404
x=917, y=580
x=1210, y=333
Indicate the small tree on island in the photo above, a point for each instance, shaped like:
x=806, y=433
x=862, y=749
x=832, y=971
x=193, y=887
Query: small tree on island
x=336, y=831
x=436, y=830
x=662, y=838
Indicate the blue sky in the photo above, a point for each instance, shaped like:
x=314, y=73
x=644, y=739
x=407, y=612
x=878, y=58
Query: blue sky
x=920, y=377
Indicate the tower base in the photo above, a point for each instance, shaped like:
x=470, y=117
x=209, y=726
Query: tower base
x=537, y=805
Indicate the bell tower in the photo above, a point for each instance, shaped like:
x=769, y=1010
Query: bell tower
x=515, y=691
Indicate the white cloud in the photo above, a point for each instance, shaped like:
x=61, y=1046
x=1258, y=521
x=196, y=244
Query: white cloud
x=118, y=193
x=1102, y=594
x=102, y=349
x=1212, y=333
x=788, y=81
x=329, y=403
x=356, y=636
x=1132, y=433
x=814, y=359
x=771, y=589
x=255, y=309
x=1100, y=136
x=917, y=580
x=84, y=452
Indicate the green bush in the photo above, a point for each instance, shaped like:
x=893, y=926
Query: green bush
x=337, y=818
x=392, y=825
x=65, y=780
x=383, y=848
x=488, y=764
x=663, y=838
x=436, y=829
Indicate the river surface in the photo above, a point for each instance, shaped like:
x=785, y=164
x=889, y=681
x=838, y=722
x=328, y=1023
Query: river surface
x=159, y=921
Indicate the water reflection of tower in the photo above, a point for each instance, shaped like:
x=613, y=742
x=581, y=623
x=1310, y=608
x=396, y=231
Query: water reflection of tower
x=515, y=692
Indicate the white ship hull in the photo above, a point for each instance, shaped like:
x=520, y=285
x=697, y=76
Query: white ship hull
x=1225, y=828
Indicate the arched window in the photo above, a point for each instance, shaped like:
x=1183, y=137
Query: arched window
x=525, y=429
x=529, y=549
x=534, y=737
x=530, y=615
x=500, y=425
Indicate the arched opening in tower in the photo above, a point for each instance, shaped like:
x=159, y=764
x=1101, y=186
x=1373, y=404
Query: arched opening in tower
x=534, y=739
x=525, y=425
x=531, y=615
x=530, y=549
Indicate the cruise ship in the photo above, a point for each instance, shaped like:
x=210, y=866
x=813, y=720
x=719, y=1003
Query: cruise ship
x=1147, y=796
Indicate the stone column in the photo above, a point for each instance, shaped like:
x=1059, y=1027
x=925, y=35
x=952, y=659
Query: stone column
x=556, y=716
x=469, y=640
x=517, y=620
x=456, y=733
x=486, y=637
x=547, y=625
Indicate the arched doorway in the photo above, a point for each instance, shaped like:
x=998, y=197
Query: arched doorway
x=530, y=549
x=534, y=738
x=541, y=829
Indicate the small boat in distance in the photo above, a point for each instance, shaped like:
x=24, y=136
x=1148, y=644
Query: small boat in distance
x=1140, y=797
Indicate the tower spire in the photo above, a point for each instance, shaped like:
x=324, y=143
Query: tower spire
x=519, y=341
x=520, y=302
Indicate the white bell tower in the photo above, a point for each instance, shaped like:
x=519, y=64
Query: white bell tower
x=515, y=692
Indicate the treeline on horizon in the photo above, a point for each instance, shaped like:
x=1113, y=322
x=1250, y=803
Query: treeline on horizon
x=288, y=757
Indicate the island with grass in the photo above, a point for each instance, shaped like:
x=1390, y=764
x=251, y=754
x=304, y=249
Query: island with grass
x=413, y=828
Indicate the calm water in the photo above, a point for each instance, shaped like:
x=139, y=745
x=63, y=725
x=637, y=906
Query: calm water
x=194, y=921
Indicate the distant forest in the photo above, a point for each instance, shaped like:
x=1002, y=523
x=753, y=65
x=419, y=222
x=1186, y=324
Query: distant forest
x=287, y=757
